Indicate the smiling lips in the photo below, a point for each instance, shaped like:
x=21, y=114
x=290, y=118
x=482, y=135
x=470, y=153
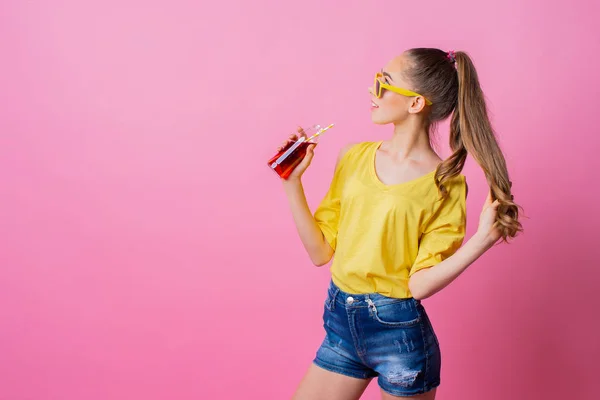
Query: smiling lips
x=373, y=105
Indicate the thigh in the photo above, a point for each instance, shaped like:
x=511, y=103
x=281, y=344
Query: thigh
x=402, y=349
x=320, y=384
x=425, y=396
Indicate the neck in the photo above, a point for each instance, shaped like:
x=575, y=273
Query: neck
x=410, y=141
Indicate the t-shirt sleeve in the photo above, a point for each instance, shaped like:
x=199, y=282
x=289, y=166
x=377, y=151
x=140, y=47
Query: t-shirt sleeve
x=327, y=213
x=445, y=231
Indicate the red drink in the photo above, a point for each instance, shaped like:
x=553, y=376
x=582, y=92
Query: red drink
x=289, y=157
x=293, y=153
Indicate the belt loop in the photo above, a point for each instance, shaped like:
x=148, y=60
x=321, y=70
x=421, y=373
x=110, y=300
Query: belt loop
x=417, y=304
x=334, y=298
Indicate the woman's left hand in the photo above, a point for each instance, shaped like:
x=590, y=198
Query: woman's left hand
x=487, y=232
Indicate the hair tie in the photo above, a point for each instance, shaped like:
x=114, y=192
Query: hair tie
x=451, y=55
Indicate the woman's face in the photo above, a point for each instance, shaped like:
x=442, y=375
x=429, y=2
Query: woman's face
x=393, y=107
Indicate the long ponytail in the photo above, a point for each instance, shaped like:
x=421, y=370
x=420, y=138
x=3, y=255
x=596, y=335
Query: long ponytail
x=458, y=91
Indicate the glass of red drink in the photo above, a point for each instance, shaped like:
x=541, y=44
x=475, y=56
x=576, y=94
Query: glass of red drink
x=288, y=158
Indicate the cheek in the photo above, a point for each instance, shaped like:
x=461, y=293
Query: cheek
x=393, y=100
x=392, y=108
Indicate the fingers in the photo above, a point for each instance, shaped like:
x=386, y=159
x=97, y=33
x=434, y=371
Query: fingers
x=310, y=153
x=489, y=200
x=292, y=138
x=301, y=131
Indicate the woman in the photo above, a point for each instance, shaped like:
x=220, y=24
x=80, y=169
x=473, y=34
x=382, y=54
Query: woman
x=395, y=217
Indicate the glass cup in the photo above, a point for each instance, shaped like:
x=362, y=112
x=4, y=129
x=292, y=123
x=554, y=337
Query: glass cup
x=292, y=154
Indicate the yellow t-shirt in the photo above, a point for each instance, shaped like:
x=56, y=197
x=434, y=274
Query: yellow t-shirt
x=382, y=234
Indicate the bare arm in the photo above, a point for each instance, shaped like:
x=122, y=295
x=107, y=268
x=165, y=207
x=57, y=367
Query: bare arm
x=429, y=281
x=319, y=251
x=317, y=247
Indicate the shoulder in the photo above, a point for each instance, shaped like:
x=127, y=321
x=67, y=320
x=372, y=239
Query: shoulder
x=459, y=182
x=457, y=190
x=344, y=151
x=354, y=149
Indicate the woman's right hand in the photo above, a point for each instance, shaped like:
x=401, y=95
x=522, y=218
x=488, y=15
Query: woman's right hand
x=488, y=232
x=310, y=153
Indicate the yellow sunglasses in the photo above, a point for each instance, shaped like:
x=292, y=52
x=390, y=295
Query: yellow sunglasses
x=379, y=86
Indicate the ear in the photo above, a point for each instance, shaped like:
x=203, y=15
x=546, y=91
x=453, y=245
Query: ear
x=417, y=104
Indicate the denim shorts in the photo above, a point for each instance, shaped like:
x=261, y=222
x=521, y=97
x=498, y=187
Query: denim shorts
x=370, y=335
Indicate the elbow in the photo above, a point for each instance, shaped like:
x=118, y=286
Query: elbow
x=419, y=296
x=320, y=261
x=417, y=293
x=418, y=287
x=322, y=258
x=320, y=254
x=422, y=293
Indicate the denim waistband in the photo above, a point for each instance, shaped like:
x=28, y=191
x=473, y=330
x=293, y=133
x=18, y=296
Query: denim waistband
x=362, y=300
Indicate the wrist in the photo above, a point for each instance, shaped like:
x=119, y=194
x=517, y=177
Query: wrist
x=291, y=182
x=481, y=242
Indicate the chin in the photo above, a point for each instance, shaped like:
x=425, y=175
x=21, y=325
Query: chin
x=379, y=121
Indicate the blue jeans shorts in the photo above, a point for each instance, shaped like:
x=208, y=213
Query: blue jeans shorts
x=370, y=335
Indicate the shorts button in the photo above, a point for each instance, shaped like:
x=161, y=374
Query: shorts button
x=350, y=300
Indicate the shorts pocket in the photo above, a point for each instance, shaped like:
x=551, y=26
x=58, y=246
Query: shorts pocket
x=399, y=314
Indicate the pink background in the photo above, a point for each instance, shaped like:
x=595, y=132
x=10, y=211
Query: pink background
x=147, y=252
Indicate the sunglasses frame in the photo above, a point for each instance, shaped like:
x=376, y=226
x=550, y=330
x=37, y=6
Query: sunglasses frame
x=380, y=85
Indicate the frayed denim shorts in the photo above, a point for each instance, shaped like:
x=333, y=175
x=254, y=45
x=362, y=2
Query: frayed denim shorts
x=370, y=335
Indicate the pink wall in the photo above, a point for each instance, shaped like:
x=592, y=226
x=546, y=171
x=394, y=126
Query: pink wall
x=147, y=251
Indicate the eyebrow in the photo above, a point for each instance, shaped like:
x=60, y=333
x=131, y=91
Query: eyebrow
x=386, y=74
